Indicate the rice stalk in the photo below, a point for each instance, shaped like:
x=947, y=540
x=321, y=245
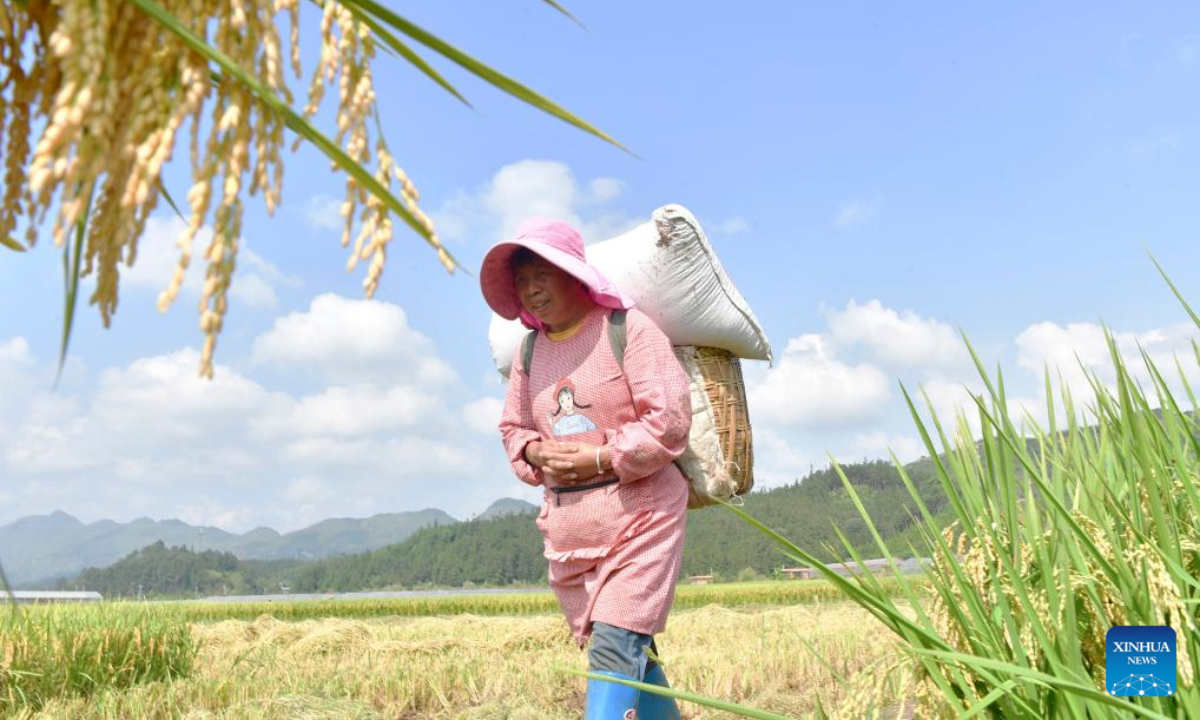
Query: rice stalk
x=1057, y=535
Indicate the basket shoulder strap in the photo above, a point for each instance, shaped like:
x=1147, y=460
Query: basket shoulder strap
x=527, y=350
x=618, y=336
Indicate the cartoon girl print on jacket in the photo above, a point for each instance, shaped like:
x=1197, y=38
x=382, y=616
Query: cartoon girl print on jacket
x=571, y=422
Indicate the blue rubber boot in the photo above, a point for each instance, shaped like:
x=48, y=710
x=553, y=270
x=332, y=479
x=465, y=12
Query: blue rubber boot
x=609, y=700
x=656, y=707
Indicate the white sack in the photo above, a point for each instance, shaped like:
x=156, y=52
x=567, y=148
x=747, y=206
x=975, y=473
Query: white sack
x=670, y=270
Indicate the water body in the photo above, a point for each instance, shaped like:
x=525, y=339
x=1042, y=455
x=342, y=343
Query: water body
x=379, y=595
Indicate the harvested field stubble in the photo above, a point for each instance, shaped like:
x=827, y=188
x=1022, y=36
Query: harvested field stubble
x=468, y=666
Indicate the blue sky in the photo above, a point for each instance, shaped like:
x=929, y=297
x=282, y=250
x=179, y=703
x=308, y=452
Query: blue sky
x=874, y=178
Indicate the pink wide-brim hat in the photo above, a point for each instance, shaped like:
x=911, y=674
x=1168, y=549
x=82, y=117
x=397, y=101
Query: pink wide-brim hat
x=560, y=245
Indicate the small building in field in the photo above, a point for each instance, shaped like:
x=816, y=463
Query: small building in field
x=798, y=573
x=700, y=579
x=38, y=597
x=877, y=566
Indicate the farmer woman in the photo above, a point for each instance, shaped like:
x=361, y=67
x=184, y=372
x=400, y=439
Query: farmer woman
x=614, y=503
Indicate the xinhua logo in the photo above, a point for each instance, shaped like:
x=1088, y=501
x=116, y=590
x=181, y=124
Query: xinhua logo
x=1139, y=660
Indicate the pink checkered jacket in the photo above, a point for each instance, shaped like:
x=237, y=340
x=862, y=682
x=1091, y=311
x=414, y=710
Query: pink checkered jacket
x=614, y=551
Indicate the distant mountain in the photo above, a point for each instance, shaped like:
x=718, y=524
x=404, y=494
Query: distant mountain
x=40, y=549
x=507, y=549
x=507, y=506
x=341, y=536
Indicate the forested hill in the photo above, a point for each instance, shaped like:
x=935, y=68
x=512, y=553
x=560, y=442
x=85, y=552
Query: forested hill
x=508, y=549
x=160, y=571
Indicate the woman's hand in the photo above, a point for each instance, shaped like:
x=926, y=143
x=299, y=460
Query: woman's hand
x=569, y=463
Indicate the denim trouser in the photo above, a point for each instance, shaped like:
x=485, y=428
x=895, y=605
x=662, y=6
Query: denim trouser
x=619, y=650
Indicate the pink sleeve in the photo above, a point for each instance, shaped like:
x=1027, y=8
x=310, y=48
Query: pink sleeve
x=661, y=399
x=516, y=425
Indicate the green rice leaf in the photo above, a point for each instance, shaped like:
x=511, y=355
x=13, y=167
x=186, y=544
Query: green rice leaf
x=72, y=254
x=9, y=598
x=403, y=50
x=1178, y=295
x=564, y=11
x=162, y=189
x=489, y=75
x=1085, y=691
x=12, y=244
x=677, y=694
x=988, y=700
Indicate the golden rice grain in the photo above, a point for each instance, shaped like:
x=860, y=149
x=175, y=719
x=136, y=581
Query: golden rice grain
x=113, y=89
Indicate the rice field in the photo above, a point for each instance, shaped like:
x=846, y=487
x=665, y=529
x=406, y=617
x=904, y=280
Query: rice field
x=78, y=651
x=1058, y=534
x=532, y=603
x=785, y=659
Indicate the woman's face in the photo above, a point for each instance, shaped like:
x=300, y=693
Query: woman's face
x=550, y=294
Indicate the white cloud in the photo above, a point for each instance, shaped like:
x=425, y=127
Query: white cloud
x=778, y=461
x=208, y=512
x=831, y=392
x=152, y=439
x=256, y=280
x=152, y=422
x=16, y=376
x=880, y=445
x=1077, y=350
x=853, y=212
x=949, y=400
x=329, y=452
x=1024, y=409
x=529, y=188
x=1061, y=347
x=604, y=190
x=163, y=397
x=902, y=338
x=430, y=458
x=254, y=291
x=15, y=351
x=457, y=219
x=49, y=439
x=353, y=341
x=811, y=388
x=483, y=416
x=532, y=188
x=308, y=489
x=324, y=213
x=412, y=456
x=158, y=254
x=351, y=411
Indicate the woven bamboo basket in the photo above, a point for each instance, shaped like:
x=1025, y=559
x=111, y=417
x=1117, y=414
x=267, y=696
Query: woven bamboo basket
x=719, y=374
